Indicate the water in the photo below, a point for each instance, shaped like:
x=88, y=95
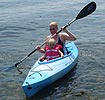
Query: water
x=24, y=24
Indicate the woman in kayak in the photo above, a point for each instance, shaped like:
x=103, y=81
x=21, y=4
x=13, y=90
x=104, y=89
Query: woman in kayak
x=60, y=38
x=52, y=50
x=63, y=36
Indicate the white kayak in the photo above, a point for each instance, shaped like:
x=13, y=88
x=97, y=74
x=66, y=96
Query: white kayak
x=43, y=74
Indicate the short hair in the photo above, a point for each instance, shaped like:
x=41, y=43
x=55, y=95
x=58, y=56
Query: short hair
x=53, y=24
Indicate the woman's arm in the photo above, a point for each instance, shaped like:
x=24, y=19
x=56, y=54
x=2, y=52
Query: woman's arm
x=67, y=36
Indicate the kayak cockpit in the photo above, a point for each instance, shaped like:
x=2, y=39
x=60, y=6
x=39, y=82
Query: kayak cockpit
x=54, y=60
x=68, y=52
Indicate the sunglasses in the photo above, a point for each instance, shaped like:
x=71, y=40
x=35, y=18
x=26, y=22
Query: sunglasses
x=52, y=29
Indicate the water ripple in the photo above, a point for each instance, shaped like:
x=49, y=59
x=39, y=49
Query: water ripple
x=25, y=21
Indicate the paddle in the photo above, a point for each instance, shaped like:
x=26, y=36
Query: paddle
x=88, y=9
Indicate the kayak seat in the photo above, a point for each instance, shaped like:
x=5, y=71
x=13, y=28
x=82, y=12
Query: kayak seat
x=68, y=49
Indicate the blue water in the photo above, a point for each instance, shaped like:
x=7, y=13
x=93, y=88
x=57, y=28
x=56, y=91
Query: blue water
x=24, y=24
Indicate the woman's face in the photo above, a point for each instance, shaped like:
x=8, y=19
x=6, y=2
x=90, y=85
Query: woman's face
x=53, y=29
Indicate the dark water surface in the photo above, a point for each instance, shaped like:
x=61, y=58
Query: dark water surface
x=24, y=24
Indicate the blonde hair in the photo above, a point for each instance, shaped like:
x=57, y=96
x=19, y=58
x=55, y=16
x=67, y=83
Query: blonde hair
x=51, y=42
x=53, y=24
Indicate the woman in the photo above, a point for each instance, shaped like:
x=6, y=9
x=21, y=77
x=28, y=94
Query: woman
x=60, y=38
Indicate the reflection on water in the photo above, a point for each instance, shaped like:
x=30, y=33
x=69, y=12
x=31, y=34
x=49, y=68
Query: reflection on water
x=24, y=24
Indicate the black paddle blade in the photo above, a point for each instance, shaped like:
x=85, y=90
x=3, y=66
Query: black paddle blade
x=88, y=9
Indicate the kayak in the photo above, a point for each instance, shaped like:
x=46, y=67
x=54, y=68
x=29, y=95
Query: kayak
x=45, y=73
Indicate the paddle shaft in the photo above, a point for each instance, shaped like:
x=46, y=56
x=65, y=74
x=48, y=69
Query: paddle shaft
x=88, y=9
x=43, y=43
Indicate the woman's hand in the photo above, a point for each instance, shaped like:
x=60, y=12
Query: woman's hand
x=40, y=49
x=37, y=47
x=64, y=29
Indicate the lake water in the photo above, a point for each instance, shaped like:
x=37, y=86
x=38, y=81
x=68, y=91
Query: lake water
x=24, y=24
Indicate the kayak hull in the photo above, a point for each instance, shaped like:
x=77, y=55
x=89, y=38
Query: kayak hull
x=43, y=74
